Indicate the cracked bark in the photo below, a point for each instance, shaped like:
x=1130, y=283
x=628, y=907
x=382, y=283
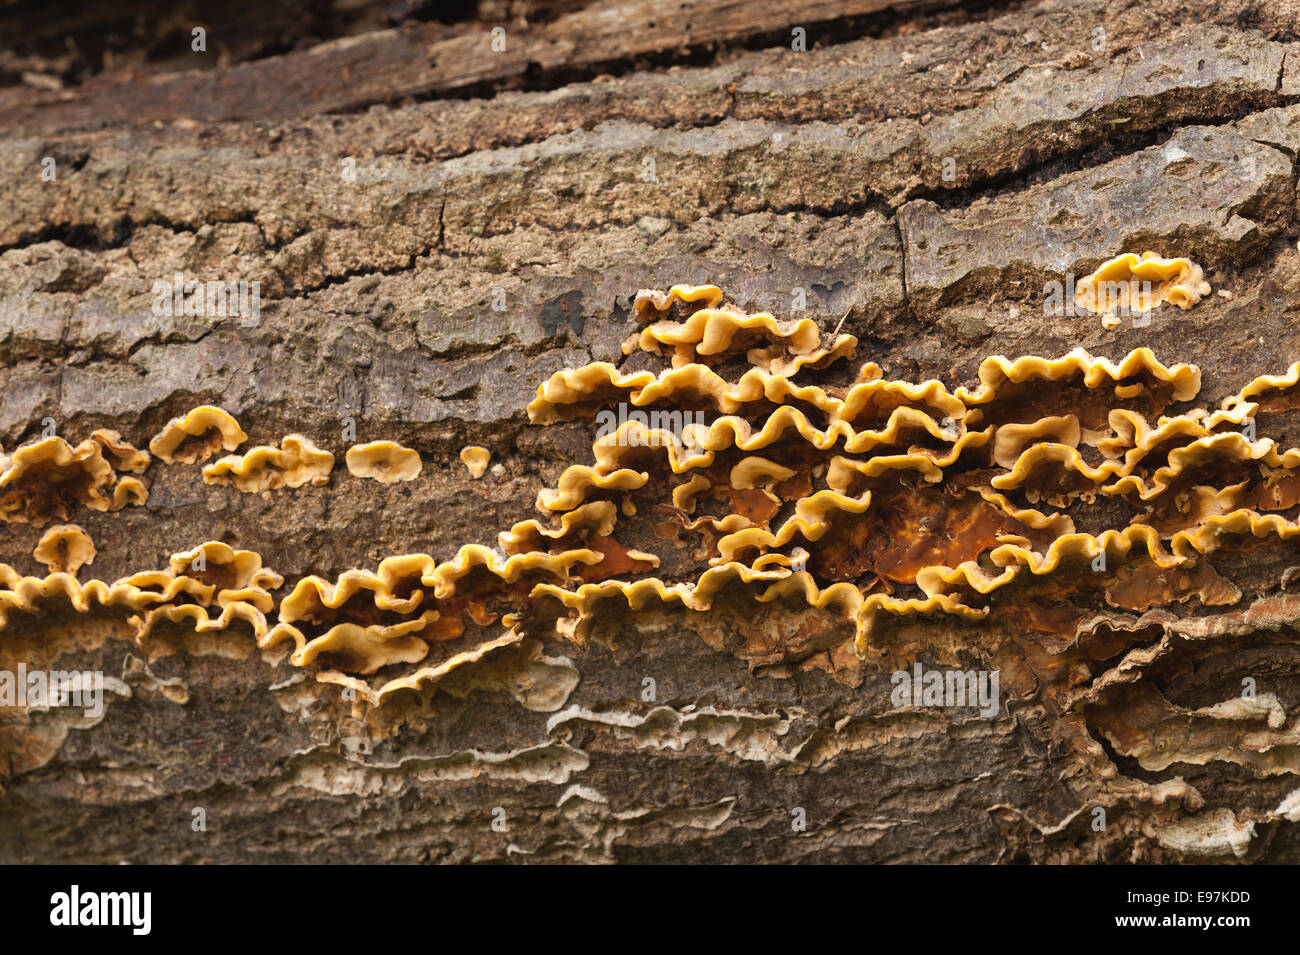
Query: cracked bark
x=773, y=170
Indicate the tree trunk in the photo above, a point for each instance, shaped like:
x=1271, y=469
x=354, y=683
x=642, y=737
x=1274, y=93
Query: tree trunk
x=428, y=227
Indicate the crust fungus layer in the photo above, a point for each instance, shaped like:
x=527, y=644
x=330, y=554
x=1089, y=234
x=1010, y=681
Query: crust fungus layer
x=1071, y=522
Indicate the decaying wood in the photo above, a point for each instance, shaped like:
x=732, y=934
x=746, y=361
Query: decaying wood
x=423, y=59
x=915, y=179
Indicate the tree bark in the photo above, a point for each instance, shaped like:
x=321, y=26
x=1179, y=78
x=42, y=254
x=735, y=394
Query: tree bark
x=436, y=228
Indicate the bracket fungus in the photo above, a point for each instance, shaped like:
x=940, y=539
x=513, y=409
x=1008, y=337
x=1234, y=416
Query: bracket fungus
x=1050, y=517
x=917, y=476
x=50, y=479
x=652, y=305
x=65, y=549
x=711, y=333
x=917, y=497
x=197, y=435
x=297, y=461
x=211, y=576
x=234, y=575
x=476, y=459
x=413, y=609
x=120, y=453
x=384, y=461
x=210, y=588
x=1133, y=283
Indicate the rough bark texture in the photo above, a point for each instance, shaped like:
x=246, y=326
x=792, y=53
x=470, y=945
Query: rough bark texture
x=921, y=171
